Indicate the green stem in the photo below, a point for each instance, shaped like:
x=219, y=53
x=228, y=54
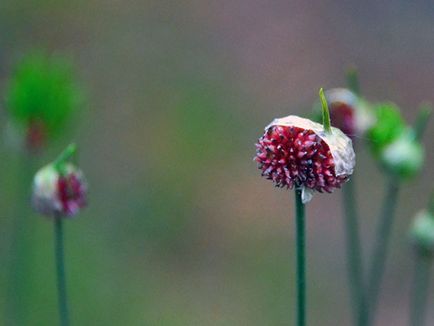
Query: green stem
x=301, y=259
x=384, y=229
x=20, y=253
x=353, y=80
x=421, y=122
x=420, y=289
x=60, y=270
x=354, y=256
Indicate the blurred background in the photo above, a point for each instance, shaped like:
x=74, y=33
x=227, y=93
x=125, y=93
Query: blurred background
x=180, y=228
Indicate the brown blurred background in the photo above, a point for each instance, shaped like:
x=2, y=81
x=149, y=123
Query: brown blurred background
x=181, y=229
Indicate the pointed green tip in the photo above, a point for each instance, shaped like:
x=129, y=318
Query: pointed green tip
x=325, y=111
x=65, y=156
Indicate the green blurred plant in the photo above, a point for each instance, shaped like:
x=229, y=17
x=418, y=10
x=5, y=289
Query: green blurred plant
x=41, y=97
x=400, y=153
x=422, y=240
x=388, y=126
x=396, y=146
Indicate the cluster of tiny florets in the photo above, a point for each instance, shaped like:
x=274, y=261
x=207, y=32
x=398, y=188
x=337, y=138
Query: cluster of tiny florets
x=71, y=193
x=294, y=157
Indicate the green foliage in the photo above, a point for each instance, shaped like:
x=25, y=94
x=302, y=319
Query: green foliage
x=389, y=126
x=42, y=90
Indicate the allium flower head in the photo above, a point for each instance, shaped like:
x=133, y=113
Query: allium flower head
x=297, y=152
x=41, y=96
x=348, y=112
x=59, y=190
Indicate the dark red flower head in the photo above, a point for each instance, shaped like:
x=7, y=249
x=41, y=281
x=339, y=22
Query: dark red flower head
x=297, y=152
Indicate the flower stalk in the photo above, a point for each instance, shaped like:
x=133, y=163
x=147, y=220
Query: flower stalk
x=60, y=271
x=20, y=252
x=419, y=297
x=422, y=119
x=354, y=255
x=301, y=258
x=352, y=234
x=353, y=80
x=384, y=229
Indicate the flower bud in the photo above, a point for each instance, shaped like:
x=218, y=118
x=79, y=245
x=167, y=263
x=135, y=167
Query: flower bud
x=404, y=157
x=422, y=232
x=349, y=112
x=297, y=152
x=41, y=95
x=58, y=194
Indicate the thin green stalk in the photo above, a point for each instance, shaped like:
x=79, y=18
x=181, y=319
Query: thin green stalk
x=384, y=229
x=19, y=255
x=301, y=259
x=354, y=256
x=354, y=251
x=353, y=80
x=421, y=122
x=60, y=271
x=419, y=298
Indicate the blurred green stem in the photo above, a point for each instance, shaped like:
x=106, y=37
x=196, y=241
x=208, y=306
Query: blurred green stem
x=379, y=256
x=354, y=256
x=60, y=271
x=419, y=297
x=353, y=80
x=301, y=258
x=16, y=307
x=421, y=122
x=354, y=252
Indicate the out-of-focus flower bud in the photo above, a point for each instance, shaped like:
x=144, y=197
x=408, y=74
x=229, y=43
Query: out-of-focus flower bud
x=422, y=232
x=404, y=157
x=297, y=152
x=349, y=112
x=41, y=96
x=59, y=190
